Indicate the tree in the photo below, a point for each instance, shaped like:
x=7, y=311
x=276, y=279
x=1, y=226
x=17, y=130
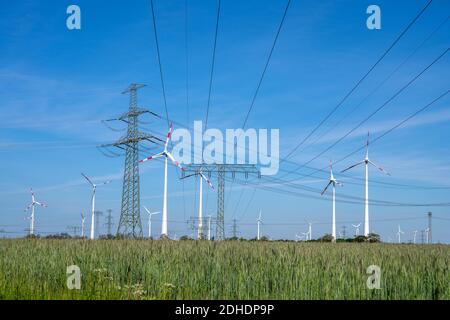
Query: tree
x=373, y=237
x=326, y=238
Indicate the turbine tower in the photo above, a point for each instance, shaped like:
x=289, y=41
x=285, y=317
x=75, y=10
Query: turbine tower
x=94, y=189
x=201, y=177
x=31, y=206
x=167, y=155
x=83, y=219
x=209, y=227
x=366, y=163
x=333, y=182
x=310, y=230
x=399, y=233
x=259, y=221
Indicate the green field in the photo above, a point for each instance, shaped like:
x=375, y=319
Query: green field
x=114, y=269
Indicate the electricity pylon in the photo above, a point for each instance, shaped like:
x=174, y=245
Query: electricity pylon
x=130, y=225
x=222, y=170
x=109, y=222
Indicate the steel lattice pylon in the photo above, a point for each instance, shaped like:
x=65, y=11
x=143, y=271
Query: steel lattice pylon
x=130, y=224
x=221, y=170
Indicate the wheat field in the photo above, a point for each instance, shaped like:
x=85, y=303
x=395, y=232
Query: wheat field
x=143, y=269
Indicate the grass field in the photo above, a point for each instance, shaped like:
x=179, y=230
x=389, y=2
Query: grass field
x=36, y=269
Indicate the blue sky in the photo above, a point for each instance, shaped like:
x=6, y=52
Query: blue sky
x=57, y=85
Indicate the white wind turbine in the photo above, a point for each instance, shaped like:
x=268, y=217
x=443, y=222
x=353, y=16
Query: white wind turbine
x=427, y=231
x=415, y=236
x=333, y=182
x=305, y=234
x=150, y=214
x=366, y=162
x=297, y=238
x=31, y=206
x=399, y=233
x=82, y=224
x=201, y=177
x=94, y=189
x=259, y=221
x=167, y=155
x=356, y=226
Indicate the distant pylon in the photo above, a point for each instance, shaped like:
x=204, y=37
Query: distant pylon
x=430, y=238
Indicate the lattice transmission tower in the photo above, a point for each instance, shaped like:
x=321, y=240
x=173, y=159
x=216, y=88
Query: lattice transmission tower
x=222, y=170
x=131, y=143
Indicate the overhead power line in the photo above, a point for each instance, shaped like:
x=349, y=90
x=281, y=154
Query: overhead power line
x=387, y=132
x=212, y=65
x=376, y=110
x=439, y=26
x=360, y=80
x=159, y=63
x=267, y=64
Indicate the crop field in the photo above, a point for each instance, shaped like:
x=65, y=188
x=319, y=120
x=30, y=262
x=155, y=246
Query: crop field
x=126, y=269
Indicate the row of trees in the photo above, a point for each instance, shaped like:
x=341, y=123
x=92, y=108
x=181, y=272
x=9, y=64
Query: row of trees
x=372, y=238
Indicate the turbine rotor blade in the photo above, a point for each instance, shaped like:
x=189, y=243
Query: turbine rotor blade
x=188, y=176
x=353, y=166
x=41, y=204
x=159, y=155
x=32, y=194
x=87, y=178
x=207, y=180
x=148, y=211
x=326, y=188
x=175, y=162
x=169, y=134
x=379, y=168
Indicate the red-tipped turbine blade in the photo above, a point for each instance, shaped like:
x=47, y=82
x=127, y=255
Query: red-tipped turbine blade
x=207, y=180
x=169, y=134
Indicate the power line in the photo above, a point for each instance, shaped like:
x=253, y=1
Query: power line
x=360, y=80
x=389, y=131
x=212, y=65
x=382, y=82
x=324, y=169
x=377, y=110
x=267, y=64
x=159, y=63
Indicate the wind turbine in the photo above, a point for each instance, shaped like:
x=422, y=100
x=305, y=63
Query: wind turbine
x=356, y=229
x=366, y=162
x=297, y=238
x=259, y=221
x=427, y=231
x=305, y=234
x=150, y=214
x=399, y=233
x=415, y=235
x=82, y=224
x=333, y=182
x=31, y=206
x=94, y=188
x=201, y=177
x=167, y=155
